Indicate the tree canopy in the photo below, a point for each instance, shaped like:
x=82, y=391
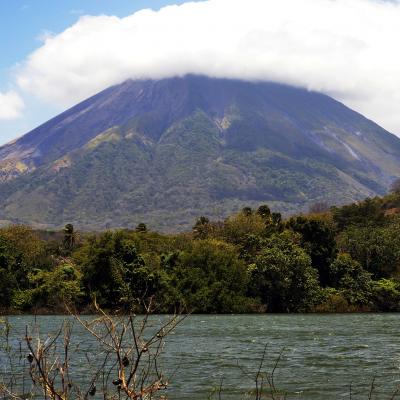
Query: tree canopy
x=343, y=259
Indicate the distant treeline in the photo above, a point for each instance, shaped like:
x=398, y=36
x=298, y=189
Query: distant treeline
x=333, y=259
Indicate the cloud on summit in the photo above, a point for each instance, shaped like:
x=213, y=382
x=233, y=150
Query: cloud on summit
x=348, y=49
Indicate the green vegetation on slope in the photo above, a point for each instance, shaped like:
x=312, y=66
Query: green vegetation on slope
x=124, y=178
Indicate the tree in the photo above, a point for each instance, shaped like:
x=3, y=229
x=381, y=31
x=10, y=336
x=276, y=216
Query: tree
x=21, y=252
x=210, y=278
x=377, y=249
x=247, y=211
x=200, y=229
x=318, y=239
x=69, y=237
x=366, y=213
x=137, y=282
x=25, y=245
x=141, y=228
x=114, y=271
x=250, y=247
x=276, y=218
x=238, y=226
x=95, y=258
x=51, y=289
x=264, y=211
x=351, y=279
x=8, y=283
x=276, y=224
x=283, y=277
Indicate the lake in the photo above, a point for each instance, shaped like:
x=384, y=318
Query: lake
x=322, y=354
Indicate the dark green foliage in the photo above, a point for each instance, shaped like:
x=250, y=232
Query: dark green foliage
x=50, y=290
x=211, y=279
x=283, y=277
x=113, y=271
x=100, y=275
x=21, y=252
x=8, y=280
x=347, y=275
x=169, y=261
x=275, y=224
x=367, y=212
x=386, y=295
x=200, y=229
x=318, y=238
x=276, y=218
x=264, y=211
x=141, y=228
x=69, y=239
x=247, y=211
x=377, y=249
x=251, y=245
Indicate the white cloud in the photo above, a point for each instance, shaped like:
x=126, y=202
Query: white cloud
x=44, y=35
x=11, y=105
x=348, y=48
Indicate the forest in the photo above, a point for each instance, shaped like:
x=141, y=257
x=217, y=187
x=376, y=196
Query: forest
x=331, y=259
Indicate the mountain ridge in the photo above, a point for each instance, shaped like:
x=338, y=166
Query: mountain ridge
x=166, y=151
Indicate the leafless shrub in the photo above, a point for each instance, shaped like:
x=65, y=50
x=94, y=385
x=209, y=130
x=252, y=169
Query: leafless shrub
x=129, y=348
x=263, y=380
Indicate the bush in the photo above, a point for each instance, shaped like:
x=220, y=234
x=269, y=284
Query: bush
x=386, y=295
x=332, y=301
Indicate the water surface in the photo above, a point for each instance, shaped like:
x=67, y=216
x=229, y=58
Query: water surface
x=322, y=354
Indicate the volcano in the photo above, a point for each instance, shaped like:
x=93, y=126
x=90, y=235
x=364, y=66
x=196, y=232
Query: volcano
x=166, y=151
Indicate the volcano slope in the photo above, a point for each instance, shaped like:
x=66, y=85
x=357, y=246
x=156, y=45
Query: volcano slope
x=166, y=151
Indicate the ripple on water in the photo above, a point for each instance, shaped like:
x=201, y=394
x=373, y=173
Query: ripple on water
x=323, y=354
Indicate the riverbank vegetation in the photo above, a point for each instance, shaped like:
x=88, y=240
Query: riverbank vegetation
x=332, y=259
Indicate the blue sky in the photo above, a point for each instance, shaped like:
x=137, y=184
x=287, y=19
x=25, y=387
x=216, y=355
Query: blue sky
x=23, y=22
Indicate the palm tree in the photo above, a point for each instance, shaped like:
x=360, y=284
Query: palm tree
x=69, y=236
